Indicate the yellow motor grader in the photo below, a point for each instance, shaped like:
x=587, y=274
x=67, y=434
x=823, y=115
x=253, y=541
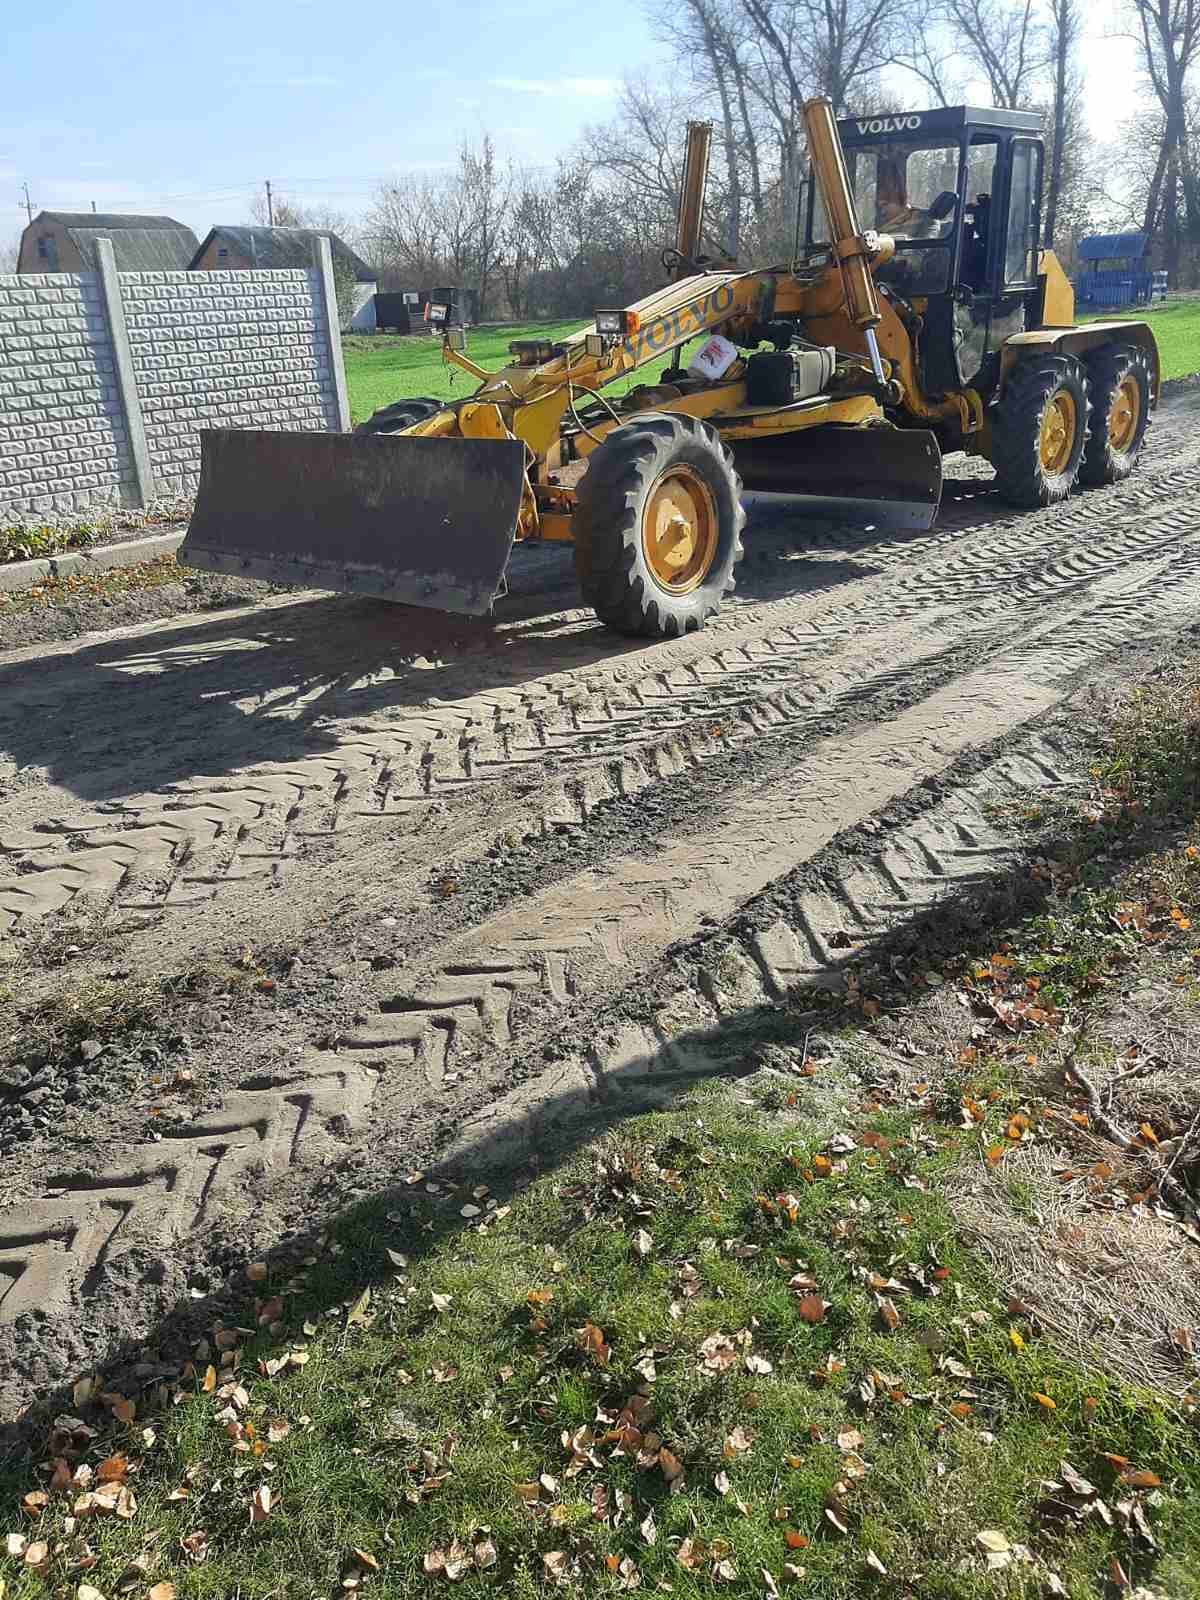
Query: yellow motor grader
x=843, y=377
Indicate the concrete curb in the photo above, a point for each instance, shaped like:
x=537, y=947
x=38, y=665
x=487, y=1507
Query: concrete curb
x=16, y=575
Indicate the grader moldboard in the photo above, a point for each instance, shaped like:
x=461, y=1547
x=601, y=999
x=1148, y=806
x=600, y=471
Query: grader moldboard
x=944, y=327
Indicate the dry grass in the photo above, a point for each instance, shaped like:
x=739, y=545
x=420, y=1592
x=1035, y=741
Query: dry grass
x=1113, y=1286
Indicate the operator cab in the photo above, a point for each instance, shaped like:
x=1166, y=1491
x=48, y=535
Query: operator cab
x=959, y=190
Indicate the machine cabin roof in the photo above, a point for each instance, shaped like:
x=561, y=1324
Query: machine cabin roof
x=944, y=121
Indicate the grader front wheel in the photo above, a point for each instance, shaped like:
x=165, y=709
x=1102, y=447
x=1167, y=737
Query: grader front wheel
x=1039, y=432
x=657, y=526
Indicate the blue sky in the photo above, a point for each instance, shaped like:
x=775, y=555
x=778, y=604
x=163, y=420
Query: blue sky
x=185, y=109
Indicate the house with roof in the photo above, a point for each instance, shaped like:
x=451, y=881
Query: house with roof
x=250, y=248
x=64, y=241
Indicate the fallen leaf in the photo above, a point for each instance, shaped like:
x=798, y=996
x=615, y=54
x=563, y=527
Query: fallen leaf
x=1142, y=1480
x=875, y=1564
x=113, y=1469
x=740, y=1439
x=888, y=1314
x=36, y=1501
x=37, y=1554
x=794, y=1540
x=357, y=1314
x=257, y=1271
x=1074, y=1481
x=260, y=1504
x=14, y=1545
x=812, y=1308
x=1045, y=1401
x=648, y=1529
x=643, y=1243
x=161, y=1591
x=688, y=1555
x=485, y=1554
x=992, y=1539
x=441, y=1302
x=850, y=1439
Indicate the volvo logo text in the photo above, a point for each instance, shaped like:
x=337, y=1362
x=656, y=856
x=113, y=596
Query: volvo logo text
x=889, y=125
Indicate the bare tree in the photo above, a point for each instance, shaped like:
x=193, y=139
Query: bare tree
x=1004, y=40
x=406, y=231
x=485, y=189
x=1168, y=36
x=1066, y=25
x=10, y=250
x=527, y=247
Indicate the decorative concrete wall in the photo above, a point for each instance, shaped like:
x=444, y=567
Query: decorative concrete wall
x=107, y=377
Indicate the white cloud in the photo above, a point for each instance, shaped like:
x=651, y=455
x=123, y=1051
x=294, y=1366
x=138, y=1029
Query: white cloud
x=585, y=88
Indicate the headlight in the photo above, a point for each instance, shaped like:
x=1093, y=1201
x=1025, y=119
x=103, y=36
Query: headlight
x=611, y=322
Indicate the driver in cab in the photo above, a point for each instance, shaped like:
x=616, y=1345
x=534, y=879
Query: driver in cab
x=895, y=215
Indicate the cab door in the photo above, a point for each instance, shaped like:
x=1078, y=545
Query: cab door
x=1016, y=257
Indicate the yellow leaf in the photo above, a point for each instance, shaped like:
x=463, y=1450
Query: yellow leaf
x=1045, y=1401
x=1015, y=1339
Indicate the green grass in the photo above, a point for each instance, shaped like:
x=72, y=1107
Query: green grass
x=412, y=1423
x=383, y=367
x=1176, y=327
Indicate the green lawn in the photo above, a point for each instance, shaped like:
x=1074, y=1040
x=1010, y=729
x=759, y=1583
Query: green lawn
x=384, y=367
x=1176, y=326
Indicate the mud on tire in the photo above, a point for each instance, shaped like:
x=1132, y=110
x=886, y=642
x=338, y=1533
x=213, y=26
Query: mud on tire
x=402, y=414
x=1119, y=381
x=1024, y=476
x=625, y=494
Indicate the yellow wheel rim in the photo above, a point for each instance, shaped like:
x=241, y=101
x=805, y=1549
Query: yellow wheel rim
x=1125, y=414
x=679, y=530
x=1057, y=438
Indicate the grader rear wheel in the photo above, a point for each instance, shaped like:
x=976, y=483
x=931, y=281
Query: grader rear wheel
x=657, y=526
x=1119, y=380
x=1040, y=430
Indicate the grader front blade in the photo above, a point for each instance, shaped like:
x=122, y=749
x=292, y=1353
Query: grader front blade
x=424, y=521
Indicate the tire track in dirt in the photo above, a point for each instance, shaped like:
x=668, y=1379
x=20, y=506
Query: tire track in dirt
x=609, y=732
x=441, y=1034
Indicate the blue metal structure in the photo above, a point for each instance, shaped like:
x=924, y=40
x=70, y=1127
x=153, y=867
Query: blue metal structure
x=1119, y=273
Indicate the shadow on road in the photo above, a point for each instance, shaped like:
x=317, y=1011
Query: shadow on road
x=213, y=695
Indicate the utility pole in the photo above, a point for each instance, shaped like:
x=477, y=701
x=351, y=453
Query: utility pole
x=28, y=203
x=270, y=206
x=93, y=208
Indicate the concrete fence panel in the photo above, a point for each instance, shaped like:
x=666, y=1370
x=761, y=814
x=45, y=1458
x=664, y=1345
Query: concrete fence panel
x=106, y=378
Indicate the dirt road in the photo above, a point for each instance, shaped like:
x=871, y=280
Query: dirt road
x=473, y=838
